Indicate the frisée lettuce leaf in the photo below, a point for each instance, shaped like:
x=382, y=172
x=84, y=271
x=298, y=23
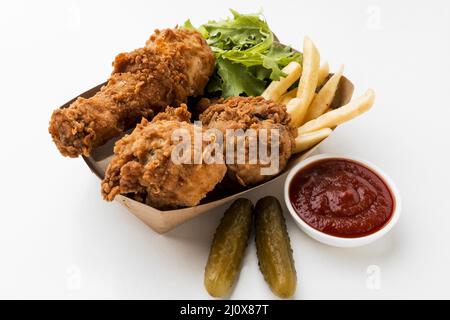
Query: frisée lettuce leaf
x=247, y=56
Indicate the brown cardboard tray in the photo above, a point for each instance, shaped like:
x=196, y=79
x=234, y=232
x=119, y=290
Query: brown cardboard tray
x=163, y=221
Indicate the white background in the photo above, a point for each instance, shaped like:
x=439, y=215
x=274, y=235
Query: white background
x=59, y=239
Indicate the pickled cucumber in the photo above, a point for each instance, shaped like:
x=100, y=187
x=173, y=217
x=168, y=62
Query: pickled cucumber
x=273, y=248
x=228, y=247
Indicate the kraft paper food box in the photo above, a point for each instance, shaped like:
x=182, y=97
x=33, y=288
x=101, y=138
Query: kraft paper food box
x=163, y=221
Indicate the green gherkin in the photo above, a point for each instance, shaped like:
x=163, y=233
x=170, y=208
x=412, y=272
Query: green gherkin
x=273, y=248
x=228, y=248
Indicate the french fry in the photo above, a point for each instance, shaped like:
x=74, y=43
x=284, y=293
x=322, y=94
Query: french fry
x=324, y=72
x=276, y=89
x=338, y=116
x=308, y=82
x=325, y=96
x=297, y=109
x=288, y=96
x=308, y=140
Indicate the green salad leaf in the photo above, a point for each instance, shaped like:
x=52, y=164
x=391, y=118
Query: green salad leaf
x=247, y=56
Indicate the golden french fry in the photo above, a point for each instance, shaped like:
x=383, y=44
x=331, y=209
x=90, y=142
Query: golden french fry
x=325, y=96
x=338, y=116
x=324, y=72
x=288, y=96
x=276, y=89
x=308, y=140
x=310, y=74
x=297, y=109
x=308, y=83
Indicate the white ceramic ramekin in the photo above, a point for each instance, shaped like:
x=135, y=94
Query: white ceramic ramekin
x=333, y=240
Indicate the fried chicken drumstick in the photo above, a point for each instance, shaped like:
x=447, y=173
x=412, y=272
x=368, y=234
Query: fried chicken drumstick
x=243, y=113
x=142, y=165
x=173, y=65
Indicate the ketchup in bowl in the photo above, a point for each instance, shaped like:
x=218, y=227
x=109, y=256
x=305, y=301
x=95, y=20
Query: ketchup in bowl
x=341, y=198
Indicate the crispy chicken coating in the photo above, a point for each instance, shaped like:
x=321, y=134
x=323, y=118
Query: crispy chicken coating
x=173, y=65
x=142, y=165
x=251, y=113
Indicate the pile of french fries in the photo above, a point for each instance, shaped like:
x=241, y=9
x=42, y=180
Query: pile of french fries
x=311, y=112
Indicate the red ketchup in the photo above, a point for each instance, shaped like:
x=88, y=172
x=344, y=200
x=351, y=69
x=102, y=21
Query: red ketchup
x=341, y=198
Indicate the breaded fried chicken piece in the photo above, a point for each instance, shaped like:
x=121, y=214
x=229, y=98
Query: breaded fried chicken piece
x=251, y=113
x=174, y=64
x=142, y=165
